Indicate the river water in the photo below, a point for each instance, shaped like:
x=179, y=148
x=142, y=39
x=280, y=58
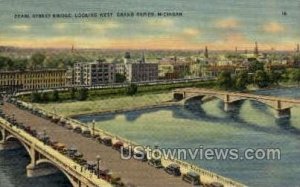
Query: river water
x=252, y=126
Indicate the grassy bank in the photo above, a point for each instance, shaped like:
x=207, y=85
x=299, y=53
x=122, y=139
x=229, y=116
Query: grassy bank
x=85, y=107
x=96, y=94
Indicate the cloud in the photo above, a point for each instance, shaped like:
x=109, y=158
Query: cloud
x=102, y=26
x=191, y=32
x=22, y=27
x=228, y=23
x=273, y=27
x=161, y=22
x=59, y=26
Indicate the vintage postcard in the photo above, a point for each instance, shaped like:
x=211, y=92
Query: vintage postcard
x=160, y=93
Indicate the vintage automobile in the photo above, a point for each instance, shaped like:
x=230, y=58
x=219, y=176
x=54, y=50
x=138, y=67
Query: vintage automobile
x=192, y=177
x=117, y=145
x=115, y=179
x=86, y=133
x=173, y=169
x=140, y=155
x=155, y=163
x=90, y=165
x=126, y=151
x=70, y=152
x=80, y=161
x=103, y=173
x=59, y=147
x=77, y=130
x=62, y=122
x=69, y=126
x=106, y=141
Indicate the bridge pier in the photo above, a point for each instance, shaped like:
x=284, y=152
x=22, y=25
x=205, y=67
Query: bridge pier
x=283, y=113
x=229, y=107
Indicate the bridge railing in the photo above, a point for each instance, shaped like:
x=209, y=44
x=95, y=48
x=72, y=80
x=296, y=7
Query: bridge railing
x=56, y=157
x=206, y=176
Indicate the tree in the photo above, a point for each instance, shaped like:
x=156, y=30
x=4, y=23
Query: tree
x=36, y=61
x=83, y=94
x=120, y=78
x=255, y=66
x=55, y=95
x=274, y=77
x=241, y=80
x=261, y=79
x=132, y=89
x=295, y=76
x=225, y=81
x=44, y=97
x=73, y=93
x=35, y=97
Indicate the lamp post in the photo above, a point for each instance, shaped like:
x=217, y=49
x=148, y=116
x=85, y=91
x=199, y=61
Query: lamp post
x=98, y=166
x=93, y=123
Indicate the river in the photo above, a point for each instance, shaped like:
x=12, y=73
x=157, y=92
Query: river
x=252, y=126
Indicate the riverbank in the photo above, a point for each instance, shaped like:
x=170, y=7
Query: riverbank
x=106, y=105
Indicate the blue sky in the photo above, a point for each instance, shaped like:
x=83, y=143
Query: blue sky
x=219, y=24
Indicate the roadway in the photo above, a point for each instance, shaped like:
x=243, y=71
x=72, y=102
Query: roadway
x=131, y=171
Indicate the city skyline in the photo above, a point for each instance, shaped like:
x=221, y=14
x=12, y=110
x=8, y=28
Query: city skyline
x=219, y=25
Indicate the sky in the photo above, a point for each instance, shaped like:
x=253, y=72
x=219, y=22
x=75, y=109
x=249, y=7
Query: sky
x=218, y=24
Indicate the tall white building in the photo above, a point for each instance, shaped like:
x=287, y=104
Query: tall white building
x=93, y=73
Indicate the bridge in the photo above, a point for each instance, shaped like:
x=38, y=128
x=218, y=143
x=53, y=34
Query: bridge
x=46, y=160
x=282, y=106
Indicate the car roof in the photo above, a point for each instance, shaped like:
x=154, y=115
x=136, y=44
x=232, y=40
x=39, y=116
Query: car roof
x=174, y=165
x=193, y=174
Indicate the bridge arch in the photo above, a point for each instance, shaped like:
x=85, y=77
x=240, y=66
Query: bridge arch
x=11, y=137
x=46, y=161
x=201, y=96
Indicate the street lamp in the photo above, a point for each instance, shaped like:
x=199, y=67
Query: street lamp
x=93, y=123
x=98, y=166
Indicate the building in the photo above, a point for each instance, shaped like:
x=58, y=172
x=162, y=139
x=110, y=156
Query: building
x=91, y=73
x=173, y=68
x=141, y=71
x=31, y=80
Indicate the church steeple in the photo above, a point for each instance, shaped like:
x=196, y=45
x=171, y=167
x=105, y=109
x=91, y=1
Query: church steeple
x=206, y=52
x=256, y=52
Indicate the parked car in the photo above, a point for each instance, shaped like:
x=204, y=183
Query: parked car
x=126, y=151
x=103, y=173
x=77, y=130
x=115, y=179
x=117, y=145
x=140, y=155
x=191, y=177
x=155, y=163
x=59, y=147
x=91, y=166
x=106, y=141
x=69, y=126
x=173, y=169
x=86, y=133
x=80, y=161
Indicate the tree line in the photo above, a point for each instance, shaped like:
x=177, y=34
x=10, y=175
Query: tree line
x=256, y=75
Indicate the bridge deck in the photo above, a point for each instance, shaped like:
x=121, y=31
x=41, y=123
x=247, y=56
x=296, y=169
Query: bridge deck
x=238, y=94
x=131, y=171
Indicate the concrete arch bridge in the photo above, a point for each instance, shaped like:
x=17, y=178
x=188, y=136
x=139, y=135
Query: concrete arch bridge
x=281, y=106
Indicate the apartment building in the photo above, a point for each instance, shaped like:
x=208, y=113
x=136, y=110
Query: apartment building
x=31, y=80
x=91, y=73
x=141, y=71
